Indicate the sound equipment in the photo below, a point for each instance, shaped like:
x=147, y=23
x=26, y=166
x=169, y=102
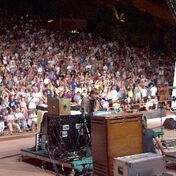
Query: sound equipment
x=161, y=112
x=40, y=141
x=66, y=134
x=58, y=106
x=43, y=107
x=114, y=136
x=145, y=164
x=169, y=123
x=73, y=107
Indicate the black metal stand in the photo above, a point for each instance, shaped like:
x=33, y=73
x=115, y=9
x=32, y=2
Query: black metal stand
x=86, y=138
x=161, y=107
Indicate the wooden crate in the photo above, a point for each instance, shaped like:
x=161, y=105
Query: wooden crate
x=114, y=136
x=58, y=107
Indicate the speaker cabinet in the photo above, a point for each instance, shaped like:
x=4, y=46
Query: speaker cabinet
x=170, y=123
x=114, y=136
x=58, y=107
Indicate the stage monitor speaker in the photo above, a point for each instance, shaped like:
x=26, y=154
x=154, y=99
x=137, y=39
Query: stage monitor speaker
x=169, y=123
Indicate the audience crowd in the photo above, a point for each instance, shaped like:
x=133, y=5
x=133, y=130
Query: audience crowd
x=36, y=63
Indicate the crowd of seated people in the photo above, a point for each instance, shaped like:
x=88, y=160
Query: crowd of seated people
x=36, y=63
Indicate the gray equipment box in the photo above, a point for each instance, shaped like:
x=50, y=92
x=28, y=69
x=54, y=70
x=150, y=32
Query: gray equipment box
x=145, y=164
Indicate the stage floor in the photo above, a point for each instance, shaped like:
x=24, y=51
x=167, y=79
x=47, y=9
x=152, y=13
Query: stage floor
x=9, y=155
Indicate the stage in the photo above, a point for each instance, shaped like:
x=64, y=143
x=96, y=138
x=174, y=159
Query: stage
x=59, y=166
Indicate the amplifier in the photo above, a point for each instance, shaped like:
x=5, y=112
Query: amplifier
x=58, y=106
x=145, y=164
x=66, y=133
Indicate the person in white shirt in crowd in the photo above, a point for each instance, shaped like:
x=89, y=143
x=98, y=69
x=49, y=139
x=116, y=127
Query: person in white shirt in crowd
x=144, y=93
x=31, y=103
x=2, y=126
x=77, y=98
x=153, y=90
x=20, y=119
x=152, y=103
x=104, y=104
x=114, y=94
x=11, y=122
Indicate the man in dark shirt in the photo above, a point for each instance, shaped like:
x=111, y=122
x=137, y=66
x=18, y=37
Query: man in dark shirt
x=90, y=103
x=47, y=91
x=13, y=103
x=149, y=136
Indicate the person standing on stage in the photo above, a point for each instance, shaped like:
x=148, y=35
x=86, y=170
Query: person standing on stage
x=90, y=103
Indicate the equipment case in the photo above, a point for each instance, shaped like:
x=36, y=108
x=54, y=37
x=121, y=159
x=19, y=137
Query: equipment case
x=145, y=164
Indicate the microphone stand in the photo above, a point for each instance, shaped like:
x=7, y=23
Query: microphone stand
x=161, y=107
x=85, y=125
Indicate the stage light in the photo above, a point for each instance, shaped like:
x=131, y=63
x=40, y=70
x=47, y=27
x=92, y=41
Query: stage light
x=50, y=21
x=74, y=31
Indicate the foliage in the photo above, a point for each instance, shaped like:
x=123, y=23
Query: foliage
x=111, y=24
x=170, y=38
x=109, y=31
x=120, y=16
x=139, y=28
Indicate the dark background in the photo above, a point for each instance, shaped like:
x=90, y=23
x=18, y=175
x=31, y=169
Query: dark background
x=139, y=29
